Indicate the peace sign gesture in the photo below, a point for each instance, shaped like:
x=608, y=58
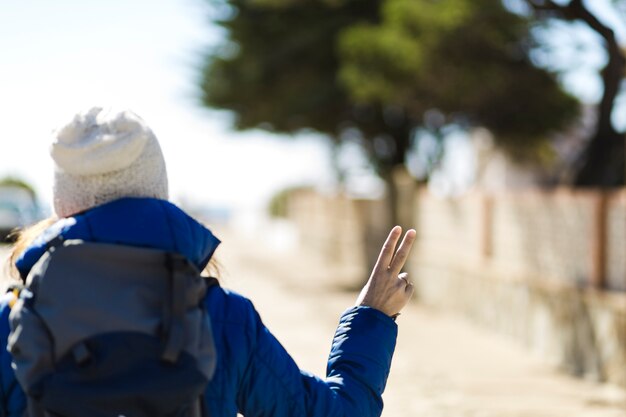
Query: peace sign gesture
x=387, y=289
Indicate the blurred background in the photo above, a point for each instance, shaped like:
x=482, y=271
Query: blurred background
x=302, y=130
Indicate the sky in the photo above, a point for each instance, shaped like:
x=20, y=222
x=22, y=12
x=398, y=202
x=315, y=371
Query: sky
x=59, y=57
x=62, y=56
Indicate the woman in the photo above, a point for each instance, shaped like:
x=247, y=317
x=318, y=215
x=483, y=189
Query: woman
x=111, y=187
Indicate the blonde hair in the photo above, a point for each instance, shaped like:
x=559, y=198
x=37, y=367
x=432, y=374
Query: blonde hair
x=25, y=237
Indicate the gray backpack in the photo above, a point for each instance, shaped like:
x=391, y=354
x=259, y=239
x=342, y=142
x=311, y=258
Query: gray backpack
x=103, y=330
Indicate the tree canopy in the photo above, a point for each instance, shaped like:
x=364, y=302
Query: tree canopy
x=467, y=58
x=18, y=183
x=378, y=67
x=278, y=66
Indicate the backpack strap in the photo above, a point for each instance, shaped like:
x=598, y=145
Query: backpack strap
x=32, y=409
x=174, y=312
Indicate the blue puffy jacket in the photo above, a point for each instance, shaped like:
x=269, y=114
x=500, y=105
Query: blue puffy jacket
x=255, y=376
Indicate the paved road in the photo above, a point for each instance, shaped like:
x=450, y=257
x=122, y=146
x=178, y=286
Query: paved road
x=443, y=365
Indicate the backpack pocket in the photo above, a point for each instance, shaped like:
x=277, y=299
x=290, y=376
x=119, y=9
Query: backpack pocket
x=122, y=374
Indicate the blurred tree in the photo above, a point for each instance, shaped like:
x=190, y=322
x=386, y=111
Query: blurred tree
x=278, y=205
x=383, y=70
x=602, y=163
x=278, y=67
x=466, y=58
x=18, y=183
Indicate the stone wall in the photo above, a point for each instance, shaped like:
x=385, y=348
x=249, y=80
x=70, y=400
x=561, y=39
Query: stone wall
x=547, y=235
x=331, y=227
x=546, y=268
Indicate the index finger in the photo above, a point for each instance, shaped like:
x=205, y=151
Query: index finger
x=386, y=253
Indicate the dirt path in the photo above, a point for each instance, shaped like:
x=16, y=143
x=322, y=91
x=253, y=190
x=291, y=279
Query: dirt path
x=443, y=366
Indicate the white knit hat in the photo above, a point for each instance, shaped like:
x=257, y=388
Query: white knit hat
x=103, y=155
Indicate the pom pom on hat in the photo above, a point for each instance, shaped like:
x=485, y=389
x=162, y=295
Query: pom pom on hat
x=103, y=155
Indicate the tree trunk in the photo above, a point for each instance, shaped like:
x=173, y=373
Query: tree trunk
x=603, y=162
x=400, y=191
x=398, y=208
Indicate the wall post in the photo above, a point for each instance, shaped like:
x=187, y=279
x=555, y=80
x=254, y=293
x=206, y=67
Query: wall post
x=486, y=238
x=598, y=242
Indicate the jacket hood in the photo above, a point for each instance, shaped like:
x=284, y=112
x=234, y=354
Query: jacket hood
x=143, y=222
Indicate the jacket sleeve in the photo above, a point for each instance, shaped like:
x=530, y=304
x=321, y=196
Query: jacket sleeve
x=12, y=398
x=357, y=371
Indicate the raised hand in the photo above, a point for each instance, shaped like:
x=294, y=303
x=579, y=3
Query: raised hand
x=387, y=289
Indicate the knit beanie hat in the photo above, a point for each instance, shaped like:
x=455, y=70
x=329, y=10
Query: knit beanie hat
x=103, y=155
